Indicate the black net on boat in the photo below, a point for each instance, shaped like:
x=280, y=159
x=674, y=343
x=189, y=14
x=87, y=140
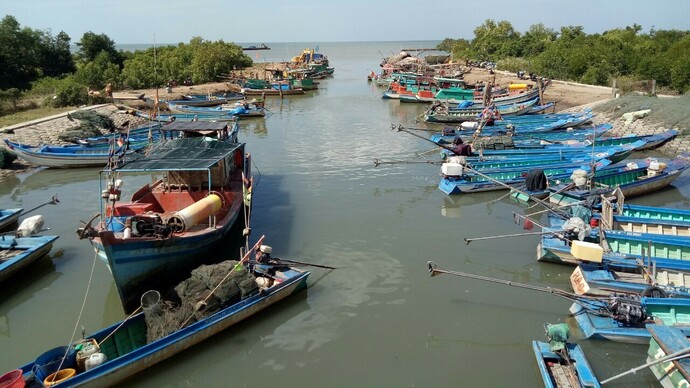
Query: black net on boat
x=90, y=124
x=209, y=289
x=501, y=142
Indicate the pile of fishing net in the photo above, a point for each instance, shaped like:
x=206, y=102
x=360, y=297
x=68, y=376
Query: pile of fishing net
x=90, y=124
x=209, y=289
x=493, y=142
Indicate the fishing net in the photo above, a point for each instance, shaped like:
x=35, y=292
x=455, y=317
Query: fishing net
x=90, y=124
x=494, y=142
x=197, y=297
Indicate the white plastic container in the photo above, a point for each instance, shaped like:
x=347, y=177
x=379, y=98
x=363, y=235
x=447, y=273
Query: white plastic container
x=95, y=360
x=451, y=169
x=469, y=125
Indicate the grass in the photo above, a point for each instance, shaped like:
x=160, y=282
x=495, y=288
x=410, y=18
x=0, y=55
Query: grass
x=31, y=114
x=672, y=111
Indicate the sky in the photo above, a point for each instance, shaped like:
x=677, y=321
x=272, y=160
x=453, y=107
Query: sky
x=173, y=21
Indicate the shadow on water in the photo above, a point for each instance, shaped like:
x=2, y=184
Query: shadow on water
x=35, y=277
x=270, y=208
x=244, y=345
x=8, y=184
x=50, y=177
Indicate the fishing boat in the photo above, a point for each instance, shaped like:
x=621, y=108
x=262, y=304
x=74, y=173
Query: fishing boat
x=18, y=252
x=637, y=177
x=262, y=46
x=220, y=111
x=9, y=217
x=184, y=218
x=623, y=319
x=545, y=130
x=121, y=350
x=456, y=178
x=653, y=245
x=554, y=248
x=561, y=363
x=633, y=276
x=667, y=355
x=458, y=116
x=68, y=156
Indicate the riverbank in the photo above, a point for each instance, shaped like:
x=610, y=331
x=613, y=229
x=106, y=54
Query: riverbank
x=568, y=96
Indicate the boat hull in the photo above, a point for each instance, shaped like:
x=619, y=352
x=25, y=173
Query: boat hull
x=121, y=368
x=152, y=263
x=32, y=249
x=9, y=217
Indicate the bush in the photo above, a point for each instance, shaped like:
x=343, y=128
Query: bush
x=514, y=64
x=70, y=93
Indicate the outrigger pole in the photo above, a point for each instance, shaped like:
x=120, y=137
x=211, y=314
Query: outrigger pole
x=435, y=269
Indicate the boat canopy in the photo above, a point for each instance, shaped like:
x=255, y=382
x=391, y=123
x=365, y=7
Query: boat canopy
x=183, y=154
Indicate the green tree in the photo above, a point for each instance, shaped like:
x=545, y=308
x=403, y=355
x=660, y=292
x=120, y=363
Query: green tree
x=536, y=39
x=55, y=57
x=495, y=40
x=92, y=44
x=18, y=54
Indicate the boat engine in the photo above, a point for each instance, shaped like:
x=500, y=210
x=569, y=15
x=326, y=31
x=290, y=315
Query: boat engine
x=628, y=311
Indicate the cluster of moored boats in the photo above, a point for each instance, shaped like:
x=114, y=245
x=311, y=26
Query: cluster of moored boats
x=632, y=276
x=182, y=223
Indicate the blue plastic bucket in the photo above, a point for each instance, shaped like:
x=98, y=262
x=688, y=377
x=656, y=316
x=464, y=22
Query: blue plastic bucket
x=49, y=362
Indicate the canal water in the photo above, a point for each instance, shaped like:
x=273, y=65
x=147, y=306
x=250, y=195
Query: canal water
x=378, y=320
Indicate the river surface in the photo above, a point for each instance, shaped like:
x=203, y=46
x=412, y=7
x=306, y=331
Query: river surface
x=378, y=320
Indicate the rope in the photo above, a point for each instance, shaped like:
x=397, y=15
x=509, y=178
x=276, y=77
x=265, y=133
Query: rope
x=81, y=312
x=120, y=325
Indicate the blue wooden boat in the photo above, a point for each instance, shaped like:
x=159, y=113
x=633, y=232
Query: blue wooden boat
x=73, y=155
x=667, y=341
x=561, y=363
x=637, y=177
x=649, y=244
x=243, y=111
x=183, y=219
x=631, y=276
x=133, y=135
x=564, y=150
x=578, y=134
x=9, y=217
x=18, y=252
x=518, y=108
x=624, y=320
x=502, y=179
x=456, y=180
x=653, y=212
x=124, y=345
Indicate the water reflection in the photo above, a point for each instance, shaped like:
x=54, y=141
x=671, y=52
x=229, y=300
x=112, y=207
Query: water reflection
x=340, y=295
x=50, y=177
x=39, y=275
x=7, y=184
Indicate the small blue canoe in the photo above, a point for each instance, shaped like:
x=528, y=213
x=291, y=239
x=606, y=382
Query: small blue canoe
x=551, y=365
x=18, y=252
